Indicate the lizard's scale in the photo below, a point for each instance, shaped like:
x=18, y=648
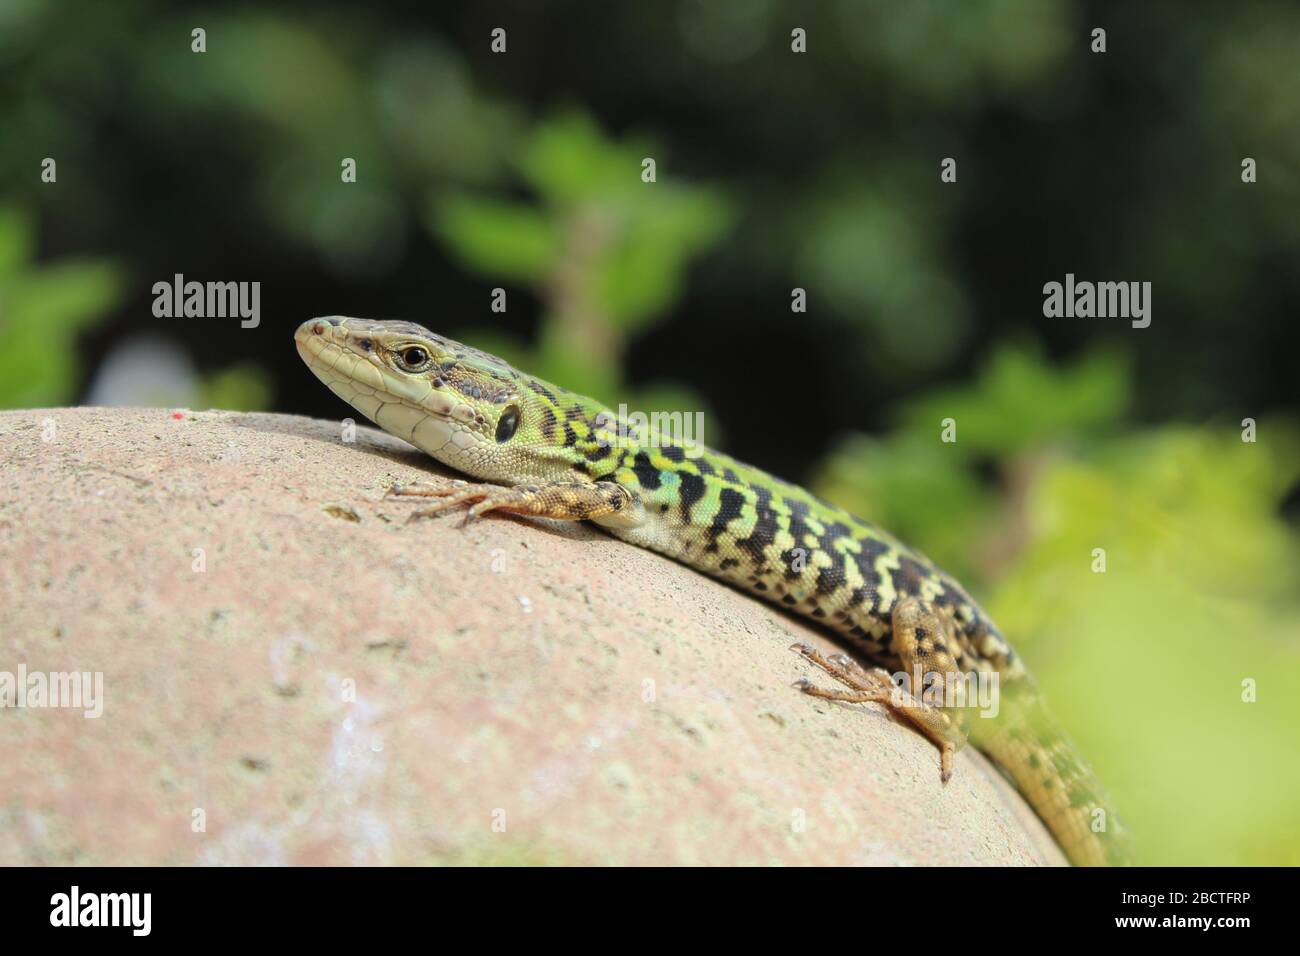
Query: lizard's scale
x=566, y=456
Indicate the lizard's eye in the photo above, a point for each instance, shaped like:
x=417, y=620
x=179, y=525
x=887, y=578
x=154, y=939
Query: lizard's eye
x=507, y=423
x=413, y=358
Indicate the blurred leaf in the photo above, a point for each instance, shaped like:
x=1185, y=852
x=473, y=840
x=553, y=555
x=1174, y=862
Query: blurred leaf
x=642, y=276
x=42, y=308
x=570, y=162
x=1019, y=400
x=498, y=239
x=599, y=235
x=265, y=59
x=15, y=240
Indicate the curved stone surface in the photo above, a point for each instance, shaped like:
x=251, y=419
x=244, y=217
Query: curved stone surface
x=292, y=674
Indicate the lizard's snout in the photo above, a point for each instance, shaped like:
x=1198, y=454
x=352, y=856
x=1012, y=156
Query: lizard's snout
x=317, y=326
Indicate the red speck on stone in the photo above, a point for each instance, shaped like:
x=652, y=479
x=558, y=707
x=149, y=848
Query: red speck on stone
x=177, y=415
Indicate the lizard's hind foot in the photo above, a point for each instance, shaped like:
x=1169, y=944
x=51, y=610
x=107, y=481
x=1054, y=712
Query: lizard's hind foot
x=867, y=684
x=876, y=686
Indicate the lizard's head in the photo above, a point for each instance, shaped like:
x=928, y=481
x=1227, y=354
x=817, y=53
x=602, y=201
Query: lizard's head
x=466, y=408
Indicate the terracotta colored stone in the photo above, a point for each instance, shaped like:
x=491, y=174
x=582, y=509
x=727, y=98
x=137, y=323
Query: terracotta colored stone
x=336, y=686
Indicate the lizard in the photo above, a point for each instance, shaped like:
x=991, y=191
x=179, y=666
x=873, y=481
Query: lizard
x=537, y=449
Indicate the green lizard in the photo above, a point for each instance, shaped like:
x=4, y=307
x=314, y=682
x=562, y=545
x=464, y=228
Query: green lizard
x=547, y=452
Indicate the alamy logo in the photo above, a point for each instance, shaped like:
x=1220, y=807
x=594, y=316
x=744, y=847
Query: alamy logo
x=1102, y=300
x=654, y=430
x=103, y=909
x=77, y=690
x=208, y=300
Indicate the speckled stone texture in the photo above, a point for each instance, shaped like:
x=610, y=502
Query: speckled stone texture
x=295, y=675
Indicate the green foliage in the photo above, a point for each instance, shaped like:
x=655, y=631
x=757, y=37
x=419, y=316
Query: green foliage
x=1144, y=662
x=604, y=251
x=598, y=237
x=500, y=239
x=927, y=490
x=42, y=309
x=638, y=236
x=1018, y=402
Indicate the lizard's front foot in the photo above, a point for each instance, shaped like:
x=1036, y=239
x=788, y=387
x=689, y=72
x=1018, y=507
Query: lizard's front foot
x=481, y=498
x=562, y=500
x=421, y=490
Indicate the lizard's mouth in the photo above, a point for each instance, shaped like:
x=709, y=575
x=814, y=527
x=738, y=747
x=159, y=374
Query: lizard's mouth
x=347, y=355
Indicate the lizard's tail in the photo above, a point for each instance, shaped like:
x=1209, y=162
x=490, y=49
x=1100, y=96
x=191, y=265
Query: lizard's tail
x=1028, y=744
